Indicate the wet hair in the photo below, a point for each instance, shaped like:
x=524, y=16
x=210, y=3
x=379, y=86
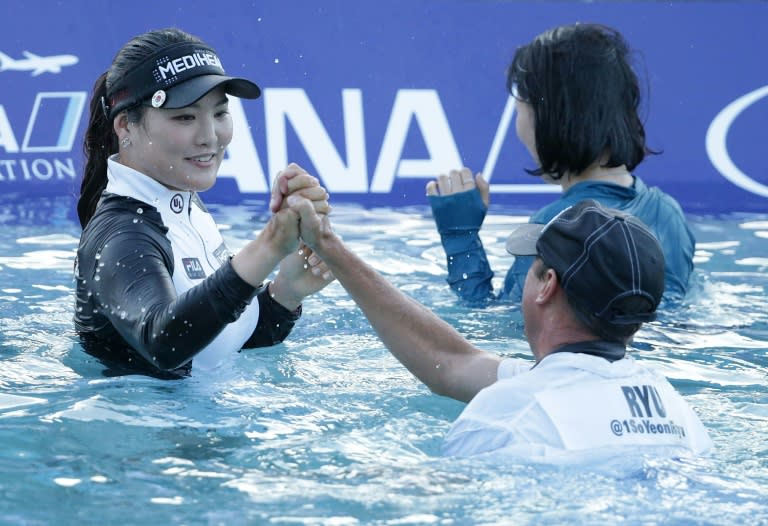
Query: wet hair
x=100, y=138
x=585, y=98
x=611, y=332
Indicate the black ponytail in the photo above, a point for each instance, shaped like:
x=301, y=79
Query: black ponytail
x=100, y=142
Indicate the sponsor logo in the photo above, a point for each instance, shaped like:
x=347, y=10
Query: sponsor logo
x=187, y=62
x=36, y=64
x=158, y=99
x=47, y=141
x=193, y=268
x=177, y=203
x=285, y=109
x=717, y=144
x=222, y=253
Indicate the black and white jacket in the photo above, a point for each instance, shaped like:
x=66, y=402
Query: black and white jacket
x=155, y=286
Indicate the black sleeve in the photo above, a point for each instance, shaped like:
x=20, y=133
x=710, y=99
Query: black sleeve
x=275, y=321
x=135, y=292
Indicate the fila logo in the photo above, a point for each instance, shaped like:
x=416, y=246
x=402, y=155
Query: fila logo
x=193, y=268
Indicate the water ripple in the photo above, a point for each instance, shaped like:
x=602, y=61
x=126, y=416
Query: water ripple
x=328, y=428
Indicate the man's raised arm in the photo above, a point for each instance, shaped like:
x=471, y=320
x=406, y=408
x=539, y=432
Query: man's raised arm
x=426, y=345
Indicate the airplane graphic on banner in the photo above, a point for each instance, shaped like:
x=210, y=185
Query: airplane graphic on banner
x=35, y=63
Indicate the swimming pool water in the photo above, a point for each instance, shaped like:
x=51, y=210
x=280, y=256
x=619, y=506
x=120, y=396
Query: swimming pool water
x=327, y=428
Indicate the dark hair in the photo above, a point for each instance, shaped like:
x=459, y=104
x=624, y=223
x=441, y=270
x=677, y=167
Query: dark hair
x=100, y=139
x=607, y=331
x=585, y=98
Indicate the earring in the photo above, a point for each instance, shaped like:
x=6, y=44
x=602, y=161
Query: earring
x=126, y=142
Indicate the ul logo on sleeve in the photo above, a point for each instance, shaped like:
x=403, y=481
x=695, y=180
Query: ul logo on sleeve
x=177, y=203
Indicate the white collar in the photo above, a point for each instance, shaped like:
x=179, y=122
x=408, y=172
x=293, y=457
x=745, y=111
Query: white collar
x=123, y=180
x=594, y=364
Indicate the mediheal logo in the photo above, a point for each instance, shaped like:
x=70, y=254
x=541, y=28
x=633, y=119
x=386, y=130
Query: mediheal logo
x=177, y=65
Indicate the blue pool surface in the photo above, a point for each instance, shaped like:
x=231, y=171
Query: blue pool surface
x=329, y=429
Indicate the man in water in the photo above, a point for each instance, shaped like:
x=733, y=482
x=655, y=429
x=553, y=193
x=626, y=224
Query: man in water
x=597, y=276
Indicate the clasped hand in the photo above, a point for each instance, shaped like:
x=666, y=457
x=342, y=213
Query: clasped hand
x=299, y=274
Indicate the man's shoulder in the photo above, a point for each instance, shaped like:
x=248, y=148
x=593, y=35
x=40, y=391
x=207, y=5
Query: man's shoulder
x=577, y=402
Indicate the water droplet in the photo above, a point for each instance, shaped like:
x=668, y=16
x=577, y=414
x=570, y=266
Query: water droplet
x=464, y=276
x=97, y=278
x=306, y=266
x=139, y=210
x=98, y=256
x=277, y=61
x=135, y=220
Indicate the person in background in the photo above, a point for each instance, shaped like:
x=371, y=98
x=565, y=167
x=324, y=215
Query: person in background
x=576, y=101
x=597, y=275
x=156, y=285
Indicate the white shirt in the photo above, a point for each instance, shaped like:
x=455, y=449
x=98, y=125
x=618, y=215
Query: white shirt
x=573, y=402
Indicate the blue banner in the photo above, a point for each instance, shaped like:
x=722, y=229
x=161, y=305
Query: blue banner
x=376, y=98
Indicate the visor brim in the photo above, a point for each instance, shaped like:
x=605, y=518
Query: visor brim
x=194, y=89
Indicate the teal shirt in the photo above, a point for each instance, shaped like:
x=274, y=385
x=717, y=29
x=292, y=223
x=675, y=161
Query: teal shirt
x=469, y=273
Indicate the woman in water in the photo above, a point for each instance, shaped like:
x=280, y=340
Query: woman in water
x=576, y=101
x=156, y=284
